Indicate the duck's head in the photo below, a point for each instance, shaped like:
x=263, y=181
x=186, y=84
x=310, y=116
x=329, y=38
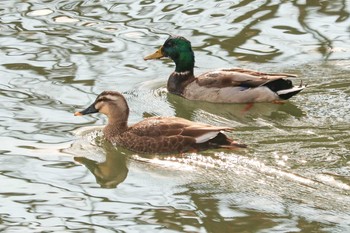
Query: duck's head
x=110, y=103
x=177, y=48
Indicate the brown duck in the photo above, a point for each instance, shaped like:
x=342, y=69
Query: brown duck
x=156, y=134
x=233, y=85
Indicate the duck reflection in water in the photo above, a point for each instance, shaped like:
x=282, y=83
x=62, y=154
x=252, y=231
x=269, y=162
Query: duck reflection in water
x=165, y=102
x=110, y=172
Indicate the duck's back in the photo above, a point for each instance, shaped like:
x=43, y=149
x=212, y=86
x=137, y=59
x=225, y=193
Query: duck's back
x=237, y=86
x=166, y=135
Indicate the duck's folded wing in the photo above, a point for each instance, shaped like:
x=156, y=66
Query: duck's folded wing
x=164, y=135
x=203, y=134
x=238, y=77
x=173, y=126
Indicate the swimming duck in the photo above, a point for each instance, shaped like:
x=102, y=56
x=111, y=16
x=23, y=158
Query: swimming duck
x=235, y=85
x=156, y=134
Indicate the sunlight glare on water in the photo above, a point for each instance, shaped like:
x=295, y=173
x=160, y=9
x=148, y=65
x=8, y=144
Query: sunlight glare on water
x=59, y=174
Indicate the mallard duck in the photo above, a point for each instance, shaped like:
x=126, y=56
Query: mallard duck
x=233, y=85
x=156, y=134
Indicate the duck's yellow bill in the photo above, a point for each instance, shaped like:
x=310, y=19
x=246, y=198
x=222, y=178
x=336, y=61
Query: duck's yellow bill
x=157, y=55
x=78, y=114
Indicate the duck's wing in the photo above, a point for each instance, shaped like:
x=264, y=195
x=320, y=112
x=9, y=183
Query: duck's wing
x=176, y=127
x=236, y=77
x=172, y=134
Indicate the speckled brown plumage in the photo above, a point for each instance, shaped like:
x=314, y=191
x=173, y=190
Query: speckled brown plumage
x=156, y=134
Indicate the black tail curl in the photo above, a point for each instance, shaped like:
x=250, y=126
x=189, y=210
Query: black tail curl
x=283, y=84
x=279, y=84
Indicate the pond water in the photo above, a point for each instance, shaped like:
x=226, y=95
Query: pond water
x=57, y=174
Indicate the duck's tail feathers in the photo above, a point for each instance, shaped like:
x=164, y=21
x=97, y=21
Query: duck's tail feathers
x=288, y=93
x=284, y=88
x=222, y=141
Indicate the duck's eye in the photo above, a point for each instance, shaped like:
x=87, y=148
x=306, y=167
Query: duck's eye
x=170, y=44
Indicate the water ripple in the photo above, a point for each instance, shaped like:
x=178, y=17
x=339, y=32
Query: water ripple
x=56, y=56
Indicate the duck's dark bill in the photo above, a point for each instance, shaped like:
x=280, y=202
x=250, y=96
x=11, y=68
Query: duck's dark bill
x=89, y=110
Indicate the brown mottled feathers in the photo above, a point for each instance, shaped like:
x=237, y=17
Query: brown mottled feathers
x=237, y=77
x=173, y=134
x=169, y=126
x=156, y=134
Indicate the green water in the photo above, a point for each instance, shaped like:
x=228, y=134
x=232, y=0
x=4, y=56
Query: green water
x=58, y=175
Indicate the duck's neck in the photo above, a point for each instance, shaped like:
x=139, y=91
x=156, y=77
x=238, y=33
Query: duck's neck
x=184, y=62
x=178, y=81
x=183, y=74
x=115, y=127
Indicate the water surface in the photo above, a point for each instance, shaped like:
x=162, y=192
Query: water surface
x=58, y=174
